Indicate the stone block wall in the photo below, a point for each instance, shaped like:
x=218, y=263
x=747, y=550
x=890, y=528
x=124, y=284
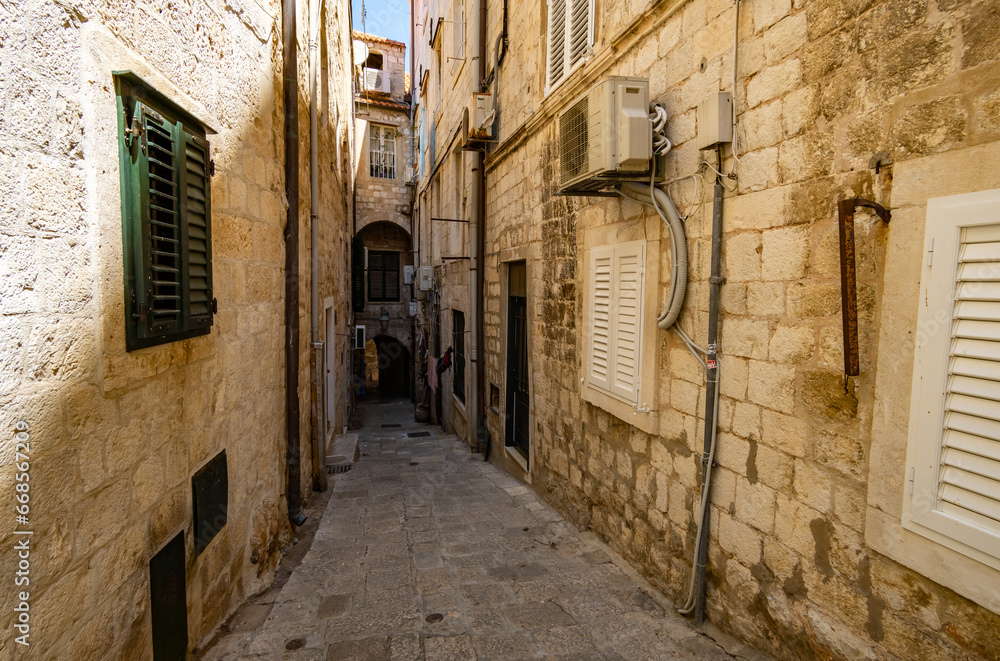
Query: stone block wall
x=808, y=558
x=116, y=435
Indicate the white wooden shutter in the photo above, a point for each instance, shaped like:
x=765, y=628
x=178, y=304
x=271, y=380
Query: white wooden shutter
x=571, y=36
x=954, y=484
x=601, y=282
x=628, y=320
x=616, y=289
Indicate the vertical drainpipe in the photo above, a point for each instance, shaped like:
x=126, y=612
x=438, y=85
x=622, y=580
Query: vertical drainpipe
x=290, y=83
x=715, y=283
x=477, y=226
x=317, y=429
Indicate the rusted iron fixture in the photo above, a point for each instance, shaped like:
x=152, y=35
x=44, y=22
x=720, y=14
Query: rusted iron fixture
x=849, y=279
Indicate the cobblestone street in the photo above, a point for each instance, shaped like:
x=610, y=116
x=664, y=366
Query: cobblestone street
x=426, y=552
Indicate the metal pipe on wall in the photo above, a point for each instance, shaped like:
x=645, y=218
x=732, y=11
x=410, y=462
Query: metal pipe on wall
x=715, y=284
x=316, y=410
x=477, y=239
x=290, y=75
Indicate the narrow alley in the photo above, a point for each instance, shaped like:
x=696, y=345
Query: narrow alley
x=426, y=552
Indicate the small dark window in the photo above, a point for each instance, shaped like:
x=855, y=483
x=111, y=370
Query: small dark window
x=374, y=60
x=383, y=276
x=458, y=343
x=166, y=217
x=210, y=497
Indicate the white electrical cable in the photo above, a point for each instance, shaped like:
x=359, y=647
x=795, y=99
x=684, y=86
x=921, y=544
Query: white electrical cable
x=664, y=206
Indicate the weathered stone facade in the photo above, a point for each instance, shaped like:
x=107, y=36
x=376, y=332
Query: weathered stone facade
x=117, y=435
x=443, y=82
x=808, y=556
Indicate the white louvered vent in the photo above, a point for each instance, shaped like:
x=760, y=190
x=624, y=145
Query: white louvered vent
x=615, y=332
x=953, y=489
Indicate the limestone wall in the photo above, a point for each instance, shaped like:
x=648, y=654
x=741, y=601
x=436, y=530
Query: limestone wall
x=808, y=558
x=116, y=435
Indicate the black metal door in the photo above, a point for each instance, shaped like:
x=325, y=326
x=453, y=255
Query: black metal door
x=517, y=374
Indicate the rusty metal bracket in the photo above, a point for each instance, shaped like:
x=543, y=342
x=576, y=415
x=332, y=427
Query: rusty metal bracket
x=849, y=279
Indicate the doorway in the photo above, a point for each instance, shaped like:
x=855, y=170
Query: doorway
x=517, y=425
x=393, y=361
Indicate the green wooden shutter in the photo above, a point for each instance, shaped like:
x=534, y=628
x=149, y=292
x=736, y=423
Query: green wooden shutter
x=166, y=221
x=196, y=232
x=158, y=276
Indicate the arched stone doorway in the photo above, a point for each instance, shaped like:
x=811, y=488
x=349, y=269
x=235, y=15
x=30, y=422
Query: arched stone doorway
x=393, y=368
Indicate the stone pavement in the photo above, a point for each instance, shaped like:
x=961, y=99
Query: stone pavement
x=426, y=552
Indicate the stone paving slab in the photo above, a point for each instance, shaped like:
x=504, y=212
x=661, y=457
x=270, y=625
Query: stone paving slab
x=427, y=553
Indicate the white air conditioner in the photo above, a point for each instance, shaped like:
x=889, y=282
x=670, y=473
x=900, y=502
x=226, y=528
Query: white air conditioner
x=426, y=278
x=606, y=137
x=376, y=80
x=478, y=118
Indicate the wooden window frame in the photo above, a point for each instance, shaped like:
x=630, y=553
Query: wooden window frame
x=924, y=513
x=166, y=216
x=608, y=383
x=383, y=273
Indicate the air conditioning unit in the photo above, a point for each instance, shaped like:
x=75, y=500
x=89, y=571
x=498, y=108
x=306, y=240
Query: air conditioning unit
x=426, y=282
x=478, y=118
x=605, y=137
x=376, y=80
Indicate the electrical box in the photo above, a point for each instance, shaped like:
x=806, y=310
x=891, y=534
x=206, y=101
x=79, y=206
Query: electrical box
x=480, y=117
x=715, y=120
x=426, y=278
x=407, y=274
x=359, y=337
x=605, y=137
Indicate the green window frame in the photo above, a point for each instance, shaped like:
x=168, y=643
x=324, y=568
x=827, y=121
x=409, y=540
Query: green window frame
x=166, y=170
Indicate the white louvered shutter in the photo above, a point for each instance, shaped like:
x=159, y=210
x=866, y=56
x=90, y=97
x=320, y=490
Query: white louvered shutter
x=628, y=321
x=599, y=364
x=571, y=36
x=954, y=483
x=615, y=351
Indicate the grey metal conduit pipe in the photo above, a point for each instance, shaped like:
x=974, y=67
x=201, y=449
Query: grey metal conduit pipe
x=715, y=284
x=678, y=247
x=290, y=76
x=319, y=458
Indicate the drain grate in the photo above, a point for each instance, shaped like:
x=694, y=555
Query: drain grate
x=330, y=470
x=391, y=425
x=418, y=434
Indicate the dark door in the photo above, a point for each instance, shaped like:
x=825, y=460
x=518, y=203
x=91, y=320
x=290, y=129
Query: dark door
x=517, y=417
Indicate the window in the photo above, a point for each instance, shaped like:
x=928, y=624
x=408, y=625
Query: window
x=383, y=276
x=458, y=36
x=382, y=153
x=614, y=354
x=952, y=491
x=166, y=217
x=571, y=37
x=458, y=344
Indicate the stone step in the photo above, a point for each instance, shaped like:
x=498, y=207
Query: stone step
x=343, y=451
